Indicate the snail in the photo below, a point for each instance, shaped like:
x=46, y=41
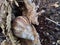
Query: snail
x=23, y=29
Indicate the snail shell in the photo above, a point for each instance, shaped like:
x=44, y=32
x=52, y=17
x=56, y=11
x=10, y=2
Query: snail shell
x=22, y=28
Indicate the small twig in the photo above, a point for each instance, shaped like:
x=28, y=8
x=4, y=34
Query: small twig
x=57, y=23
x=16, y=3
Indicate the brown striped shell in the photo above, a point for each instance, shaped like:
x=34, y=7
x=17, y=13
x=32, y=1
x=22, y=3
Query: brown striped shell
x=23, y=29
